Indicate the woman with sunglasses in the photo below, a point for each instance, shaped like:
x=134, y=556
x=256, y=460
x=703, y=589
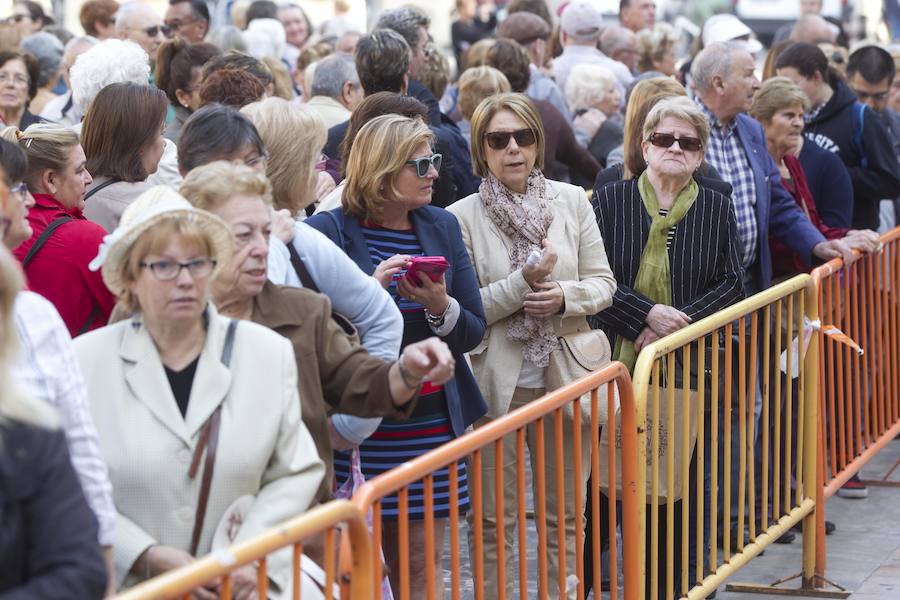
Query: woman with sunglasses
x=673, y=246
x=542, y=270
x=384, y=223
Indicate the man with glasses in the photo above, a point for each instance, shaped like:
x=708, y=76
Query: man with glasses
x=870, y=73
x=188, y=19
x=141, y=24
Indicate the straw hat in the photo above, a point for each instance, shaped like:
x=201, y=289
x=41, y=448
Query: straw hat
x=151, y=208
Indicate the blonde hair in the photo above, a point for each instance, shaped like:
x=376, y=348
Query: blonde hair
x=476, y=55
x=586, y=85
x=644, y=97
x=776, y=94
x=476, y=84
x=13, y=403
x=654, y=43
x=213, y=184
x=294, y=137
x=282, y=87
x=380, y=150
x=47, y=145
x=519, y=105
x=680, y=108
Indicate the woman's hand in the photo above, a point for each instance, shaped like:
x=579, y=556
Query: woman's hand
x=157, y=560
x=283, y=225
x=243, y=583
x=338, y=442
x=542, y=270
x=646, y=337
x=390, y=267
x=664, y=320
x=431, y=294
x=546, y=301
x=589, y=122
x=324, y=185
x=429, y=359
x=864, y=240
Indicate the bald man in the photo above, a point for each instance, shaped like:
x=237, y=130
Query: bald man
x=141, y=24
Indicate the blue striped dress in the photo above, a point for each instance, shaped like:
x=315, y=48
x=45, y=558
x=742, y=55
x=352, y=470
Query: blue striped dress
x=396, y=442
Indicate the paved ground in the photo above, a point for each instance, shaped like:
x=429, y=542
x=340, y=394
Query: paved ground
x=863, y=554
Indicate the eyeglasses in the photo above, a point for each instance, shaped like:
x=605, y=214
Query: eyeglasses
x=665, y=140
x=175, y=24
x=167, y=270
x=153, y=30
x=499, y=140
x=424, y=164
x=879, y=97
x=259, y=159
x=17, y=18
x=19, y=80
x=19, y=189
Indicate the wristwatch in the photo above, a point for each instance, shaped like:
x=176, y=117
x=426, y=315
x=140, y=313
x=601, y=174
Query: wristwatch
x=435, y=321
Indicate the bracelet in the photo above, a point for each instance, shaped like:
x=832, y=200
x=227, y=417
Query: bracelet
x=436, y=321
x=406, y=376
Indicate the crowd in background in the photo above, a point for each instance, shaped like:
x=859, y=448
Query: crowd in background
x=246, y=267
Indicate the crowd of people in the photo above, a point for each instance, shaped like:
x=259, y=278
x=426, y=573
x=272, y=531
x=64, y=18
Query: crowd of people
x=244, y=265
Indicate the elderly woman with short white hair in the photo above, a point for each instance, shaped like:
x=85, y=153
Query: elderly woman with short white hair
x=658, y=50
x=595, y=101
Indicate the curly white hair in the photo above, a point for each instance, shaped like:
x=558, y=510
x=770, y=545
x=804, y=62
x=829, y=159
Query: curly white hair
x=265, y=37
x=110, y=61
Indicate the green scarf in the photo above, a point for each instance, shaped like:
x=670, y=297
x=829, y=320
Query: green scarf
x=653, y=279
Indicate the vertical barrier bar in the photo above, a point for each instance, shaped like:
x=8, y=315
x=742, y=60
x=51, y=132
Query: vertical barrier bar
x=578, y=493
x=500, y=517
x=788, y=403
x=742, y=430
x=428, y=484
x=378, y=570
x=654, y=492
x=540, y=510
x=626, y=472
x=477, y=517
x=714, y=455
x=685, y=462
x=812, y=487
x=726, y=525
x=455, y=584
x=832, y=374
x=751, y=425
x=670, y=474
x=701, y=440
x=262, y=572
x=403, y=540
x=764, y=427
x=522, y=526
x=776, y=458
x=560, y=500
x=597, y=477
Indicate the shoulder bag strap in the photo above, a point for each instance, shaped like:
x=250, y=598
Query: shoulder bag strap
x=209, y=439
x=297, y=262
x=106, y=183
x=45, y=235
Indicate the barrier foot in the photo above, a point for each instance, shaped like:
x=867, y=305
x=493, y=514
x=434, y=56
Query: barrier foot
x=886, y=480
x=815, y=591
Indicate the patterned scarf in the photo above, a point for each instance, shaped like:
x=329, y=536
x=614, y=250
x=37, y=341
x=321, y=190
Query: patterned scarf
x=525, y=219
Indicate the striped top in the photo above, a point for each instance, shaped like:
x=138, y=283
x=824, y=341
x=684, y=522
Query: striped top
x=384, y=243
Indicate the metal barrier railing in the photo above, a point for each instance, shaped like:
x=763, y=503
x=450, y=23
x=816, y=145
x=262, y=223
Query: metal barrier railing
x=859, y=391
x=535, y=418
x=325, y=519
x=743, y=385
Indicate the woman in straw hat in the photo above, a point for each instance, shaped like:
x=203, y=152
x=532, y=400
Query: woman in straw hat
x=178, y=389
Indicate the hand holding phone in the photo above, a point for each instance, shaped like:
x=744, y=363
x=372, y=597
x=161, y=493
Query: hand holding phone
x=433, y=266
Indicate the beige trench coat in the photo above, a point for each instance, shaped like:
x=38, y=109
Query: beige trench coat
x=582, y=272
x=264, y=450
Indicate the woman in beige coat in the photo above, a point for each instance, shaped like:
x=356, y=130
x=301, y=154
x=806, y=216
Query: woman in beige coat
x=178, y=384
x=542, y=268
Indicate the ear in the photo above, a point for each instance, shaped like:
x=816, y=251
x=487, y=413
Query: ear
x=405, y=84
x=49, y=179
x=644, y=147
x=347, y=94
x=718, y=84
x=184, y=99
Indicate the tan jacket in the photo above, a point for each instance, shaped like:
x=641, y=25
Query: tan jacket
x=105, y=207
x=582, y=272
x=264, y=449
x=337, y=375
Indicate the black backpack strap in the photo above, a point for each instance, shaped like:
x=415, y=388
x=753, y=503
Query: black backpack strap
x=305, y=278
x=105, y=184
x=45, y=235
x=93, y=316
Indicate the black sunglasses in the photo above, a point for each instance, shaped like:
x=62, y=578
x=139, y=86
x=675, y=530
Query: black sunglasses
x=425, y=163
x=155, y=29
x=665, y=140
x=498, y=140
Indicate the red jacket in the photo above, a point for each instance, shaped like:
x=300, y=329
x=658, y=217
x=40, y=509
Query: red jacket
x=784, y=261
x=59, y=270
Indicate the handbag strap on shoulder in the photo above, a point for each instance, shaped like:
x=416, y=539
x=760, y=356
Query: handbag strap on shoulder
x=209, y=439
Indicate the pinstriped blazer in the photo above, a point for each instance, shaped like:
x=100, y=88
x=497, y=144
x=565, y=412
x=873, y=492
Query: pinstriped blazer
x=704, y=256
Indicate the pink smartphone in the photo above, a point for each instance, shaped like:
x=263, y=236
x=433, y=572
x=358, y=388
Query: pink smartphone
x=433, y=266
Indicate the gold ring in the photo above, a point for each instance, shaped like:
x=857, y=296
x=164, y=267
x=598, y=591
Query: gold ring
x=413, y=298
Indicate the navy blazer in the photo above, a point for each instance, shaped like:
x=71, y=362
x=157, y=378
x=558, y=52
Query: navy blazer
x=776, y=211
x=439, y=234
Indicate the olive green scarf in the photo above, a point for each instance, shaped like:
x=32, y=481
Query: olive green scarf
x=653, y=278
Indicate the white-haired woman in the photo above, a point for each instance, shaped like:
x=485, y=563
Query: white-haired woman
x=49, y=535
x=594, y=99
x=177, y=381
x=657, y=47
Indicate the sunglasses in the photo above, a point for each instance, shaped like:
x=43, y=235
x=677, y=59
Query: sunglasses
x=424, y=164
x=153, y=30
x=665, y=140
x=499, y=140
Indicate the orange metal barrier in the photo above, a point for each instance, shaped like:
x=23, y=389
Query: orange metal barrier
x=534, y=418
x=219, y=565
x=859, y=393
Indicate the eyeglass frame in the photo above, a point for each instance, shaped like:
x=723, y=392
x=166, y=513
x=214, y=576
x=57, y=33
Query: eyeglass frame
x=16, y=78
x=164, y=29
x=197, y=262
x=688, y=138
x=511, y=135
x=432, y=161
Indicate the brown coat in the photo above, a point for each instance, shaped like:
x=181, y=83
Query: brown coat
x=336, y=374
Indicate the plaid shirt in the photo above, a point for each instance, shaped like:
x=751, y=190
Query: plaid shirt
x=726, y=154
x=48, y=371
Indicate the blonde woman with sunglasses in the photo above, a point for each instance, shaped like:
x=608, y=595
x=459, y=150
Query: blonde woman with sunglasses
x=542, y=270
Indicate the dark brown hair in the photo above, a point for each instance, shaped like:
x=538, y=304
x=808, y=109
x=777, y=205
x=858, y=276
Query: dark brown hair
x=175, y=62
x=511, y=59
x=31, y=66
x=379, y=103
x=238, y=60
x=231, y=87
x=121, y=122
